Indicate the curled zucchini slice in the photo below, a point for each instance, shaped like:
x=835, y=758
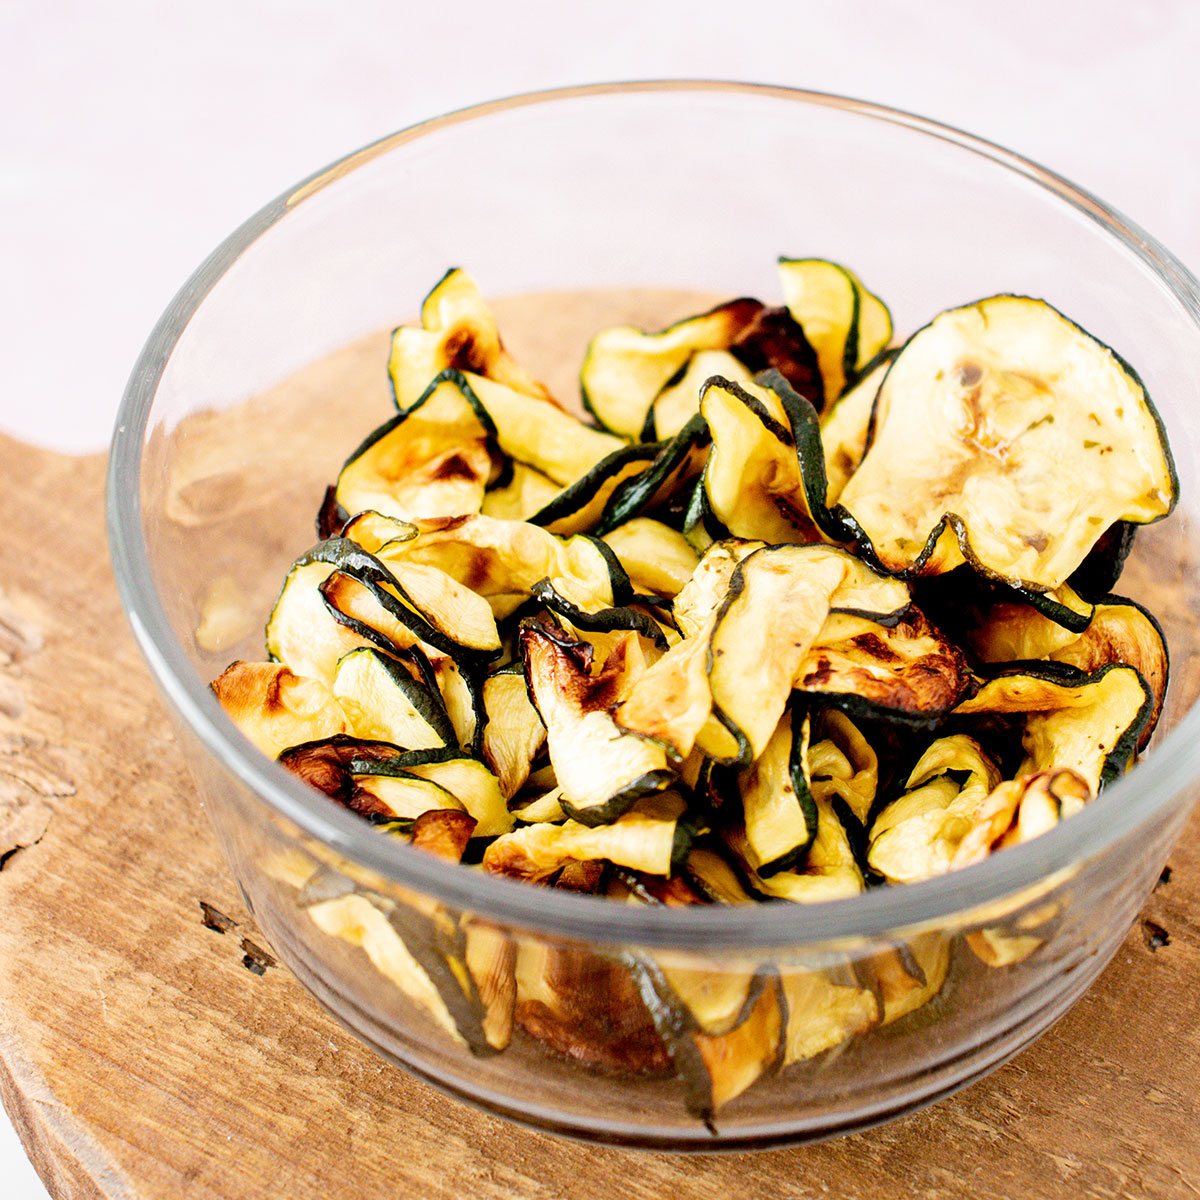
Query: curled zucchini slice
x=824, y=1010
x=383, y=701
x=626, y=371
x=722, y=1030
x=423, y=955
x=1121, y=631
x=602, y=771
x=1089, y=723
x=917, y=835
x=460, y=332
x=656, y=557
x=1006, y=437
x=846, y=325
x=845, y=428
x=513, y=734
x=502, y=561
x=843, y=770
x=433, y=459
x=467, y=779
x=778, y=811
x=908, y=671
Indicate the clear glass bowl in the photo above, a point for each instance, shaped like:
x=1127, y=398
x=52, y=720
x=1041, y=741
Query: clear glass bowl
x=606, y=191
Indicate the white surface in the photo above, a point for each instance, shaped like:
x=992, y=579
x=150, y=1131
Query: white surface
x=137, y=135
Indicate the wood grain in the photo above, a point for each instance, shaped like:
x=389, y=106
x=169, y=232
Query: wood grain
x=142, y=1057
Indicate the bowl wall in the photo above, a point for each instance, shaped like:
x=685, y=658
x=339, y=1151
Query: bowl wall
x=632, y=203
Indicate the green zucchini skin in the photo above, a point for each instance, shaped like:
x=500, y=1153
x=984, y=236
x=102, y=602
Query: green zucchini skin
x=633, y=496
x=604, y=620
x=351, y=559
x=620, y=802
x=575, y=497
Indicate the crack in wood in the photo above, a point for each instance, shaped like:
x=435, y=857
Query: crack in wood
x=257, y=960
x=6, y=856
x=215, y=919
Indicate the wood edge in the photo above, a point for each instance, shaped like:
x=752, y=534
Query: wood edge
x=68, y=1162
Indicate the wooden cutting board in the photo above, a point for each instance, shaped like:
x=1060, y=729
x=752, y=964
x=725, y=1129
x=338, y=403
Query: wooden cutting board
x=144, y=1054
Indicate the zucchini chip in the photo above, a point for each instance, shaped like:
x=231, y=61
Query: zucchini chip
x=601, y=770
x=526, y=492
x=907, y=976
x=580, y=507
x=830, y=870
x=668, y=478
x=823, y=1012
x=1090, y=723
x=503, y=560
x=466, y=779
x=778, y=601
x=754, y=484
x=917, y=835
x=725, y=687
x=842, y=768
x=1021, y=809
x=908, y=671
x=846, y=325
x=433, y=459
x=722, y=1030
x=654, y=835
x=276, y=708
x=778, y=811
x=679, y=401
x=513, y=733
x=625, y=371
x=459, y=332
x=383, y=702
x=421, y=954
x=1121, y=631
x=586, y=1007
x=657, y=558
x=1006, y=437
x=844, y=431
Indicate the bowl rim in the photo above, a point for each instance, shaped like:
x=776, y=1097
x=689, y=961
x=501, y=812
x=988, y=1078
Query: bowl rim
x=1122, y=807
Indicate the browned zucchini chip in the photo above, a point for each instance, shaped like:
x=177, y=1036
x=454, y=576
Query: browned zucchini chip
x=586, y=1007
x=434, y=459
x=908, y=671
x=824, y=1010
x=625, y=371
x=513, y=734
x=723, y=1030
x=842, y=767
x=1021, y=809
x=907, y=976
x=654, y=835
x=276, y=708
x=459, y=331
x=601, y=771
x=1000, y=419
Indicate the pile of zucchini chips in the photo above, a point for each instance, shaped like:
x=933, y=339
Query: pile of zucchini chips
x=797, y=614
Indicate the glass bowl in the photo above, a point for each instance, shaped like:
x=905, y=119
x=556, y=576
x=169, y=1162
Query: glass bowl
x=603, y=203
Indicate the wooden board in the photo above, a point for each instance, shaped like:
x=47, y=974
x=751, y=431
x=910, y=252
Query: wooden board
x=145, y=1055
